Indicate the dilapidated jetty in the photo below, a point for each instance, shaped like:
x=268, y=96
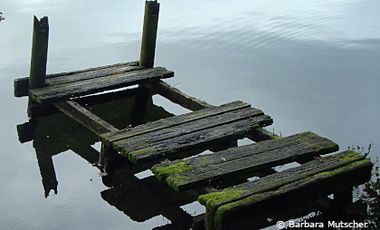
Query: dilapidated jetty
x=222, y=180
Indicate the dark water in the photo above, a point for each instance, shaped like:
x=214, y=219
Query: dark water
x=311, y=65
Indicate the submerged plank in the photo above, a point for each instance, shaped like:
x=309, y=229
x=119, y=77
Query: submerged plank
x=21, y=85
x=74, y=89
x=194, y=140
x=234, y=161
x=173, y=121
x=316, y=178
x=84, y=117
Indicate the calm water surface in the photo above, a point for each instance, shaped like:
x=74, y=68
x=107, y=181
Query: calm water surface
x=311, y=65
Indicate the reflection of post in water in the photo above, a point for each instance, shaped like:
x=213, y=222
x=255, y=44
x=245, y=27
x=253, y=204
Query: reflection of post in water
x=56, y=133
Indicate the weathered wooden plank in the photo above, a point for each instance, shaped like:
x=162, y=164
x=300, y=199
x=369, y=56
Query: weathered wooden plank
x=155, y=137
x=199, y=139
x=84, y=117
x=21, y=85
x=318, y=177
x=172, y=121
x=176, y=96
x=80, y=88
x=91, y=74
x=234, y=161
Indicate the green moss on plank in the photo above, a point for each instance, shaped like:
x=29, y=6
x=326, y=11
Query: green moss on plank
x=349, y=155
x=212, y=199
x=134, y=155
x=175, y=181
x=163, y=172
x=256, y=198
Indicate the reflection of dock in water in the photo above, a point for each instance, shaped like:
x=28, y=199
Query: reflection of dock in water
x=240, y=186
x=57, y=133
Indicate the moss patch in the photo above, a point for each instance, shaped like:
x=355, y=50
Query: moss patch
x=212, y=199
x=162, y=172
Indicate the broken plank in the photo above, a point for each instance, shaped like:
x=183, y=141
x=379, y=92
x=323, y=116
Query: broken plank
x=315, y=178
x=202, y=170
x=74, y=89
x=21, y=85
x=199, y=139
x=172, y=121
x=84, y=117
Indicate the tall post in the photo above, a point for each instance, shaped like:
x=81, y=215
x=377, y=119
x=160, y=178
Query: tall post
x=39, y=56
x=149, y=35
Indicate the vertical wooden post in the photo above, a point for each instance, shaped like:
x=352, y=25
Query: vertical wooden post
x=340, y=204
x=39, y=56
x=149, y=35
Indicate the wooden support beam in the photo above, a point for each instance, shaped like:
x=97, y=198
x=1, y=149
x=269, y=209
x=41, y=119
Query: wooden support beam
x=176, y=96
x=39, y=56
x=149, y=34
x=85, y=117
x=143, y=98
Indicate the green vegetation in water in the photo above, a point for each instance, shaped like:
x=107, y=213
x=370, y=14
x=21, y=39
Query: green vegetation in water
x=1, y=17
x=162, y=172
x=370, y=195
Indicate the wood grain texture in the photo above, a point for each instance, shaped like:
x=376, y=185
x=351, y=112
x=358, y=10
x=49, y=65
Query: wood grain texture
x=194, y=140
x=21, y=85
x=173, y=121
x=158, y=136
x=254, y=157
x=79, y=88
x=316, y=178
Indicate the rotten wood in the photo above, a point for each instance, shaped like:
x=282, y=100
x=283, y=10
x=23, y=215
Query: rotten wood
x=203, y=170
x=149, y=34
x=80, y=88
x=173, y=121
x=21, y=85
x=317, y=178
x=199, y=139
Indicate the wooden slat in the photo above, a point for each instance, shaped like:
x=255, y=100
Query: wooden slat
x=21, y=85
x=234, y=161
x=80, y=88
x=155, y=137
x=84, y=117
x=316, y=178
x=199, y=139
x=91, y=74
x=172, y=121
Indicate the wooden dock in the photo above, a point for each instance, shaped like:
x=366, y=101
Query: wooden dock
x=170, y=146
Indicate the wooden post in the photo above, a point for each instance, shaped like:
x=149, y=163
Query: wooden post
x=39, y=56
x=149, y=35
x=340, y=204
